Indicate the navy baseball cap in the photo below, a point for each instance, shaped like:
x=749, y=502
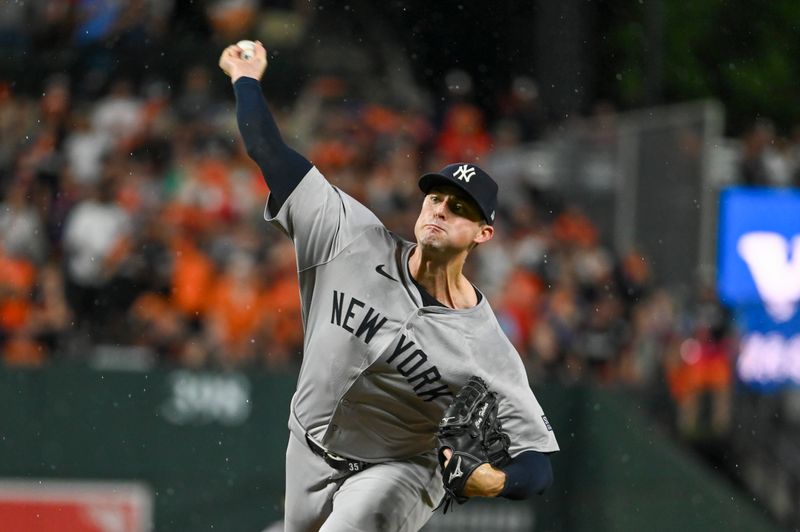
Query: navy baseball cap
x=470, y=178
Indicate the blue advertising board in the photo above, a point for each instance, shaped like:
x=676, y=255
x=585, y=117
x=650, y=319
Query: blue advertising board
x=758, y=260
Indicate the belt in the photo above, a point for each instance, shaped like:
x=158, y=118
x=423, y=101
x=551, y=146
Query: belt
x=340, y=463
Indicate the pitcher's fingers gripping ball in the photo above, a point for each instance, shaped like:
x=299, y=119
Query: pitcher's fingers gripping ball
x=248, y=49
x=470, y=429
x=245, y=58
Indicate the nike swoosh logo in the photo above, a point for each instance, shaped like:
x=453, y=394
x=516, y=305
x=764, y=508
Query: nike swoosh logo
x=379, y=269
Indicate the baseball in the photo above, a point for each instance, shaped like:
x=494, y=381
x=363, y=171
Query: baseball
x=248, y=49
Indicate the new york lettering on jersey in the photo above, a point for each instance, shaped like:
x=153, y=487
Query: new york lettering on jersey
x=413, y=364
x=370, y=321
x=408, y=359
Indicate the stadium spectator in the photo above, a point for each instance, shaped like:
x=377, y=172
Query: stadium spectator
x=521, y=107
x=47, y=322
x=97, y=238
x=84, y=149
x=701, y=369
x=233, y=312
x=21, y=228
x=118, y=116
x=463, y=136
x=762, y=163
x=17, y=278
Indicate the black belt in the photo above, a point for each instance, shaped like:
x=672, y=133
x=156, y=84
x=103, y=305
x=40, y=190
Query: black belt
x=340, y=463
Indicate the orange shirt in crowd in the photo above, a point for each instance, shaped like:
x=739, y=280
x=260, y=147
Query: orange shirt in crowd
x=235, y=314
x=463, y=137
x=575, y=228
x=519, y=303
x=704, y=365
x=17, y=277
x=281, y=306
x=192, y=278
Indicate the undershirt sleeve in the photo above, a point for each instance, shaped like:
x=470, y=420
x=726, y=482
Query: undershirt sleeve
x=528, y=474
x=282, y=167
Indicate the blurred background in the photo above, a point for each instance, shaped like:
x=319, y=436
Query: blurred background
x=646, y=264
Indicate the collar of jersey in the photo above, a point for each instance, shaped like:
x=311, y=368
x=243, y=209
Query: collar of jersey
x=444, y=310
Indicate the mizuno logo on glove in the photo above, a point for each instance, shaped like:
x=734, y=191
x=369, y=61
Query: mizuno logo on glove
x=457, y=471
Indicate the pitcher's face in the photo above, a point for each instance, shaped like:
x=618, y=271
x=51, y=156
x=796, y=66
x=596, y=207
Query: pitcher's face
x=450, y=221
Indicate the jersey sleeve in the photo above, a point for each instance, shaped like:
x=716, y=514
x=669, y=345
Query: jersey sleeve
x=320, y=219
x=518, y=409
x=526, y=423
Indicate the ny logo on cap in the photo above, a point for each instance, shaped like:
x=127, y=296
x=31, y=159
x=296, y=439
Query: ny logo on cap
x=464, y=172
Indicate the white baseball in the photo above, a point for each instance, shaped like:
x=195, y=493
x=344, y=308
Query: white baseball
x=248, y=49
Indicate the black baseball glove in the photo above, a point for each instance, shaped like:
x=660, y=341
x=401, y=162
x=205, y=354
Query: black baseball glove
x=470, y=428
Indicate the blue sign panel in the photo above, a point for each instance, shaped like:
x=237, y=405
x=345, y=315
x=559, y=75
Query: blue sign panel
x=759, y=277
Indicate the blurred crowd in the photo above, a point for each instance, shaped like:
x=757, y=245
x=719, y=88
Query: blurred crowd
x=770, y=159
x=46, y=25
x=135, y=221
x=131, y=223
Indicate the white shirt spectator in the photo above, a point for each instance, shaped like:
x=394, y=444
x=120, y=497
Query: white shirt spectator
x=119, y=114
x=22, y=232
x=84, y=151
x=92, y=230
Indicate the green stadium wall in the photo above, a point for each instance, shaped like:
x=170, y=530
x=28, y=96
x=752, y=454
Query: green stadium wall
x=211, y=448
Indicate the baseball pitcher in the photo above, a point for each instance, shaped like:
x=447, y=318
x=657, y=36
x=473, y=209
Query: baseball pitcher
x=410, y=396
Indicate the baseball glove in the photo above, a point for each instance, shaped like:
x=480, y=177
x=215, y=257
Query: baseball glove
x=470, y=429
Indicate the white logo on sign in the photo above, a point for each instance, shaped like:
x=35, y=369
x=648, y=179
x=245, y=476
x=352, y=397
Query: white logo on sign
x=456, y=472
x=464, y=172
x=777, y=277
x=769, y=357
x=199, y=399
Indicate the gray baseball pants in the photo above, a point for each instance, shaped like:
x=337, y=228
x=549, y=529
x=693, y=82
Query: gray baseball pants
x=391, y=496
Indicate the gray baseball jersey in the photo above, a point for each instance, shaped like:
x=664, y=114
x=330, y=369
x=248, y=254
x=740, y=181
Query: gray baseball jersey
x=379, y=367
